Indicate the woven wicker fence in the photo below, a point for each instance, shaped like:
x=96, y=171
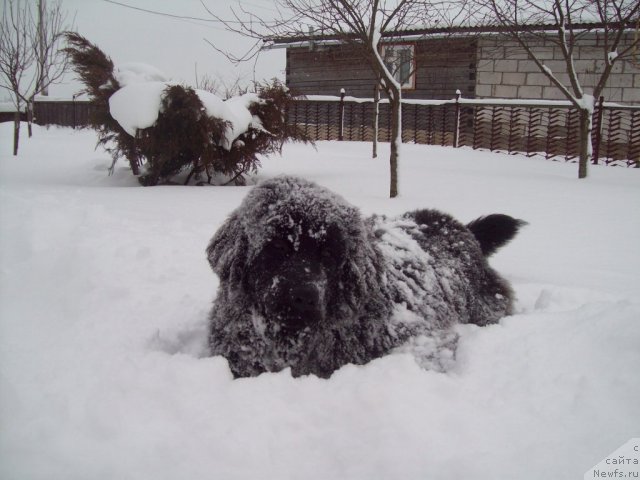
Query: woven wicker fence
x=527, y=127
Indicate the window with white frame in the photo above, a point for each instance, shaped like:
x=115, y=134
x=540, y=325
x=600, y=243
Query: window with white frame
x=399, y=59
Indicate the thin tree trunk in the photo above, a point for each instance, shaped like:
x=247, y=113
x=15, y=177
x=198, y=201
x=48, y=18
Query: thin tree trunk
x=376, y=118
x=30, y=119
x=135, y=167
x=395, y=101
x=133, y=158
x=16, y=132
x=586, y=124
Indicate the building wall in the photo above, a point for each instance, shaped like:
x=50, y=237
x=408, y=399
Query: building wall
x=442, y=67
x=505, y=71
x=324, y=70
x=483, y=67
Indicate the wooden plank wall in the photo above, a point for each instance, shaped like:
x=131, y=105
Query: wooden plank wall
x=63, y=113
x=324, y=70
x=9, y=116
x=442, y=67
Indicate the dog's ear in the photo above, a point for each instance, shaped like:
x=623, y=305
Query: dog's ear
x=494, y=231
x=227, y=248
x=360, y=282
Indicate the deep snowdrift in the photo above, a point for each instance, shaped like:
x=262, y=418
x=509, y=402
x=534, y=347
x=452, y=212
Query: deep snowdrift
x=105, y=289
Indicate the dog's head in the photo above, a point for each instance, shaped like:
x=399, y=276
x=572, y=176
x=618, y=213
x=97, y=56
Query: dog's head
x=290, y=277
x=299, y=253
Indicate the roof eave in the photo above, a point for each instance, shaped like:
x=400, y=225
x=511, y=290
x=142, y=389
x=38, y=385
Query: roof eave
x=419, y=34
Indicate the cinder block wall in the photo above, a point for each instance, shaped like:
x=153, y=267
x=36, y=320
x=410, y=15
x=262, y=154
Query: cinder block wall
x=506, y=71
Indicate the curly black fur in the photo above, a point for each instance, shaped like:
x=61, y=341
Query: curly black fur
x=494, y=231
x=307, y=283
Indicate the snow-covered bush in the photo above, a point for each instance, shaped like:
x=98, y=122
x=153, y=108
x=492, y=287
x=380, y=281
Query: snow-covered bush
x=267, y=132
x=182, y=137
x=164, y=129
x=96, y=70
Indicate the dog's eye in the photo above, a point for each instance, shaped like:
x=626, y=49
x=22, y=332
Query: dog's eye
x=328, y=256
x=333, y=246
x=279, y=246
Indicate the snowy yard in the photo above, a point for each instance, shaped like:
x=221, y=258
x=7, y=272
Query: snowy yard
x=105, y=291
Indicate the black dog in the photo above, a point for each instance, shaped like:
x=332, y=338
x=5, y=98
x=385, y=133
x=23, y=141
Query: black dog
x=307, y=283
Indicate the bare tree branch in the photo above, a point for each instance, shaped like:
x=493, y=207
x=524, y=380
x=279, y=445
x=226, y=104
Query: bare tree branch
x=50, y=60
x=568, y=18
x=16, y=53
x=360, y=24
x=30, y=57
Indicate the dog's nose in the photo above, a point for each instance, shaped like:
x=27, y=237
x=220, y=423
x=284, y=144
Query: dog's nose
x=305, y=305
x=304, y=297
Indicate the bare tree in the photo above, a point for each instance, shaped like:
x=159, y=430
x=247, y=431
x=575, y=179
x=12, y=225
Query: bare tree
x=570, y=22
x=16, y=57
x=50, y=60
x=30, y=57
x=361, y=24
x=223, y=88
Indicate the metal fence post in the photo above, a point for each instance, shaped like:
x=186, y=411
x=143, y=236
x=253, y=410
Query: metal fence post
x=73, y=105
x=341, y=113
x=456, y=127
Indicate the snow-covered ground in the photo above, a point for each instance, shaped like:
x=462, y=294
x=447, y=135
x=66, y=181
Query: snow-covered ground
x=105, y=290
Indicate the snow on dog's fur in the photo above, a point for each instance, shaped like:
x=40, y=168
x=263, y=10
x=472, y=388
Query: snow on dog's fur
x=306, y=282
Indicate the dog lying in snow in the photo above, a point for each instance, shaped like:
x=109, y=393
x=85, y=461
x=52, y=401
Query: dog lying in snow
x=306, y=282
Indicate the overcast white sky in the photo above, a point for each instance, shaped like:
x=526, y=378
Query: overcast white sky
x=173, y=45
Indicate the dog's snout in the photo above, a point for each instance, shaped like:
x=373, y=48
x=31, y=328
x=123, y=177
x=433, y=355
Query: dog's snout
x=305, y=297
x=298, y=304
x=296, y=294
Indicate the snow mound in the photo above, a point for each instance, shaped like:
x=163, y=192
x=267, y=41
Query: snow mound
x=234, y=110
x=240, y=116
x=135, y=72
x=137, y=105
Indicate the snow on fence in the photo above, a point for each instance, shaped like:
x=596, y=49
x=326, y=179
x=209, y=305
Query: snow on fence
x=530, y=127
